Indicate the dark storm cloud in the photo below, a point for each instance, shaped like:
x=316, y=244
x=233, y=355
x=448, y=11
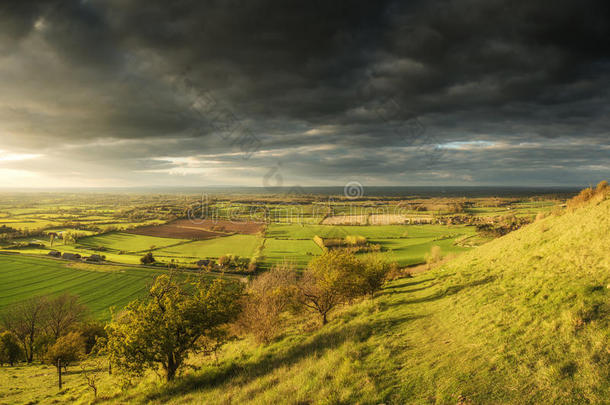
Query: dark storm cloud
x=330, y=90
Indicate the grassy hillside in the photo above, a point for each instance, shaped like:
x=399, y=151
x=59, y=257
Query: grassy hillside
x=523, y=319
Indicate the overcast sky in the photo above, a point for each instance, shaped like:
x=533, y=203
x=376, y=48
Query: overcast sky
x=266, y=93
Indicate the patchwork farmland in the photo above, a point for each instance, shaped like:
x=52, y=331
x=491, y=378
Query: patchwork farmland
x=245, y=235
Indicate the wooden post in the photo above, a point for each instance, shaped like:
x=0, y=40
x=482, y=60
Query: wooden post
x=59, y=371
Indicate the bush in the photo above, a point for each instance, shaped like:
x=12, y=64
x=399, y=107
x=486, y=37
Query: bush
x=92, y=332
x=395, y=272
x=372, y=275
x=434, y=257
x=67, y=349
x=224, y=260
x=588, y=194
x=355, y=240
x=10, y=350
x=148, y=258
x=267, y=298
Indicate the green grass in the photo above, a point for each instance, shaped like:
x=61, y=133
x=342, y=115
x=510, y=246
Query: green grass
x=405, y=244
x=118, y=241
x=298, y=252
x=240, y=245
x=99, y=286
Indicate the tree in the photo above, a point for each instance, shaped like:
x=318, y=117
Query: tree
x=70, y=237
x=67, y=349
x=63, y=313
x=373, y=274
x=267, y=297
x=174, y=322
x=26, y=321
x=92, y=331
x=328, y=281
x=148, y=258
x=10, y=351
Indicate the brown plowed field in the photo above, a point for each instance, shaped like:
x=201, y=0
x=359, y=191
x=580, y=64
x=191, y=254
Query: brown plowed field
x=198, y=229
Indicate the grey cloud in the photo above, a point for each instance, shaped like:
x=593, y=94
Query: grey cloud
x=81, y=77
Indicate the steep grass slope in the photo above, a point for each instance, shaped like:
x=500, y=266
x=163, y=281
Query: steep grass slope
x=523, y=319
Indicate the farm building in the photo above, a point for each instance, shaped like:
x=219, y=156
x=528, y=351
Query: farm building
x=71, y=256
x=54, y=253
x=95, y=258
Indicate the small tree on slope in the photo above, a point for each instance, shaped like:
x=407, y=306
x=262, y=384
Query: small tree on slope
x=173, y=323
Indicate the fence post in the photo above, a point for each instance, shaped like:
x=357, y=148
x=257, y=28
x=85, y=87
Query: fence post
x=59, y=371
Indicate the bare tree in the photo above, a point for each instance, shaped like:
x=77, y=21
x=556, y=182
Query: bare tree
x=267, y=297
x=62, y=313
x=26, y=320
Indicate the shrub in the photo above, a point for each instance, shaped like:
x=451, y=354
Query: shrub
x=10, y=351
x=92, y=332
x=355, y=240
x=373, y=273
x=224, y=260
x=395, y=272
x=253, y=265
x=148, y=258
x=67, y=349
x=588, y=194
x=268, y=297
x=434, y=257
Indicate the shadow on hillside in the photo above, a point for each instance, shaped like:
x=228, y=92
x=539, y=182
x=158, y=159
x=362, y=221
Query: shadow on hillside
x=451, y=290
x=405, y=284
x=242, y=372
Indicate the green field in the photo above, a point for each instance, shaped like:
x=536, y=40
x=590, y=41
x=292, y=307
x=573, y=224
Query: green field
x=239, y=245
x=405, y=244
x=98, y=286
x=298, y=252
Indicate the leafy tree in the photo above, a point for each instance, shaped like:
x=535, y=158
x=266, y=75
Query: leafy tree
x=148, y=258
x=92, y=332
x=26, y=321
x=373, y=273
x=67, y=349
x=10, y=351
x=63, y=313
x=174, y=322
x=329, y=280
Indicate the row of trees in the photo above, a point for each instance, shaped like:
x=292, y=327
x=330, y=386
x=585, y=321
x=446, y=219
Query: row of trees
x=181, y=318
x=38, y=322
x=55, y=330
x=333, y=279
